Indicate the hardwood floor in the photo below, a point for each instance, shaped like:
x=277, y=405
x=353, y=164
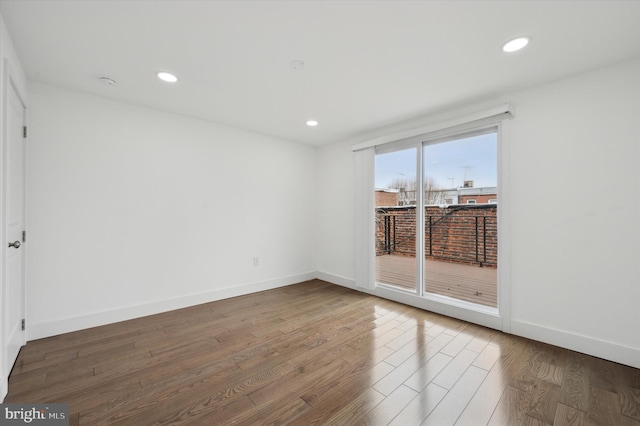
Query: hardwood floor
x=315, y=353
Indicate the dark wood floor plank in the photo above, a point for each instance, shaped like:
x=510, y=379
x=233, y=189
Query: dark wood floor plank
x=333, y=398
x=427, y=372
x=376, y=336
x=629, y=401
x=435, y=330
x=295, y=383
x=405, y=370
x=569, y=416
x=574, y=390
x=334, y=379
x=388, y=408
x=22, y=385
x=532, y=421
x=604, y=409
x=483, y=404
x=511, y=407
x=315, y=353
x=458, y=343
x=544, y=401
x=37, y=364
x=602, y=374
x=487, y=357
x=283, y=412
x=409, y=336
x=454, y=402
x=477, y=344
x=455, y=369
x=403, y=353
x=524, y=375
x=375, y=354
x=98, y=397
x=551, y=373
x=420, y=407
x=356, y=409
x=380, y=370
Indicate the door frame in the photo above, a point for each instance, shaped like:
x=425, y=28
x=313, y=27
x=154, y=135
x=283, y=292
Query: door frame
x=10, y=82
x=499, y=317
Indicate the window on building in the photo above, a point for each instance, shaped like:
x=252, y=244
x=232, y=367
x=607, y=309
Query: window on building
x=471, y=201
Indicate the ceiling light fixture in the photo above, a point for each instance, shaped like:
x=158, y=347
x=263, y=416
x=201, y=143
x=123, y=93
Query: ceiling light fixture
x=312, y=123
x=166, y=76
x=516, y=44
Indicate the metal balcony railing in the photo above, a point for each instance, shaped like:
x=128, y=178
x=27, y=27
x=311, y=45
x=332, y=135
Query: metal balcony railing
x=460, y=235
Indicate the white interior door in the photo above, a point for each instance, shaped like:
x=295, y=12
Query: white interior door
x=14, y=218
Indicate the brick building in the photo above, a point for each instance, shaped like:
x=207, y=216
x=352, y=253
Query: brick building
x=484, y=195
x=386, y=197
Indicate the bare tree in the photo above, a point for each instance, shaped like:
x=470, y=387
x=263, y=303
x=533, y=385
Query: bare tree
x=433, y=193
x=408, y=184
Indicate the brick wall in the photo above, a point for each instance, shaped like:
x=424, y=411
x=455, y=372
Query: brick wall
x=384, y=198
x=460, y=233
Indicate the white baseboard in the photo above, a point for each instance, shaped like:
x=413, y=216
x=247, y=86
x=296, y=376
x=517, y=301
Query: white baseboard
x=577, y=342
x=53, y=328
x=336, y=279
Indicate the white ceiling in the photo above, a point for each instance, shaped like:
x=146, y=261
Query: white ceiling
x=367, y=63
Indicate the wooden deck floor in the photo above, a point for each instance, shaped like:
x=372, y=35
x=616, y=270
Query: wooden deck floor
x=464, y=282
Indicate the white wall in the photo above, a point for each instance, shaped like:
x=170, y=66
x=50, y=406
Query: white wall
x=336, y=211
x=574, y=227
x=575, y=150
x=133, y=211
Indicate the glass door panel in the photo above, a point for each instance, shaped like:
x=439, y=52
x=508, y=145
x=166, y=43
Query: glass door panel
x=460, y=222
x=395, y=216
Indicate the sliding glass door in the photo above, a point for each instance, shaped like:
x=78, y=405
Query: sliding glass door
x=437, y=236
x=396, y=225
x=461, y=239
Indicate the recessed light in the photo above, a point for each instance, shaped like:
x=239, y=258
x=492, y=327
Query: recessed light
x=515, y=44
x=166, y=76
x=312, y=123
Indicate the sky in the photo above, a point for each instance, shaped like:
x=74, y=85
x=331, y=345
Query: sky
x=448, y=163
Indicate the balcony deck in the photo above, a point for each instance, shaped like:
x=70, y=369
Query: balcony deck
x=464, y=282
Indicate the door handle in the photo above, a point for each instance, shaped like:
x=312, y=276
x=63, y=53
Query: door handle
x=15, y=244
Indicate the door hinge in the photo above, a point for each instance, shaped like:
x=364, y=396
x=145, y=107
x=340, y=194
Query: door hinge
x=24, y=236
x=23, y=324
x=24, y=132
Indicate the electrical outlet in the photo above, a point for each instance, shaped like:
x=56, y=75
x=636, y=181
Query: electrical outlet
x=256, y=261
